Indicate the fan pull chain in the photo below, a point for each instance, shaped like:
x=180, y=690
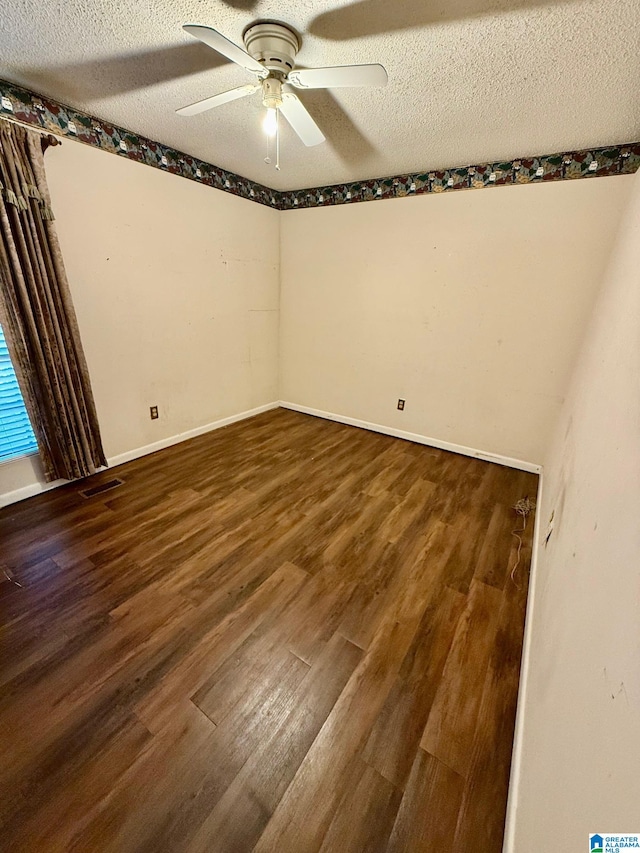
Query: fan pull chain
x=267, y=159
x=277, y=140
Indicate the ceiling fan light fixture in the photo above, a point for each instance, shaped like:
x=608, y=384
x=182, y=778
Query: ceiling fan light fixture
x=272, y=93
x=270, y=123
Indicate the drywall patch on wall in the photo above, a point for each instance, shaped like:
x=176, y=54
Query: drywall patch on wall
x=39, y=111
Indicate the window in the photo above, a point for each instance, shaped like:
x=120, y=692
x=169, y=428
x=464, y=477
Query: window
x=16, y=434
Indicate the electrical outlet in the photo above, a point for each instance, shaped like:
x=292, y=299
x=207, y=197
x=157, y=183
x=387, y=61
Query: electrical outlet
x=154, y=413
x=401, y=404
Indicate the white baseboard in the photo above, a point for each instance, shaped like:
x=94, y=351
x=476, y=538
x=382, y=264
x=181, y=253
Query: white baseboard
x=518, y=737
x=28, y=492
x=520, y=464
x=37, y=488
x=121, y=458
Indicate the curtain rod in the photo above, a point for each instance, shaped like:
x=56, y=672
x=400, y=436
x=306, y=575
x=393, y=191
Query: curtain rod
x=48, y=138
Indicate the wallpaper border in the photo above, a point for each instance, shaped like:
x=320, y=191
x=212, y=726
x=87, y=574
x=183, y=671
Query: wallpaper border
x=589, y=163
x=39, y=111
x=36, y=110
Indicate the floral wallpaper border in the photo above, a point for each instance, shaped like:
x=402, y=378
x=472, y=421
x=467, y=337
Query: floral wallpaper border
x=34, y=109
x=594, y=162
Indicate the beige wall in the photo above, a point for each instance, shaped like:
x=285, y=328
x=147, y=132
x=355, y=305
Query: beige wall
x=176, y=287
x=581, y=720
x=469, y=305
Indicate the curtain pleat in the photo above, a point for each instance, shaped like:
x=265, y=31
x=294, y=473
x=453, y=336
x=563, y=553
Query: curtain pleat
x=38, y=316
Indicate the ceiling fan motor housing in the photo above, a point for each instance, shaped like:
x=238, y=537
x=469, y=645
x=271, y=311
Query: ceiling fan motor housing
x=273, y=45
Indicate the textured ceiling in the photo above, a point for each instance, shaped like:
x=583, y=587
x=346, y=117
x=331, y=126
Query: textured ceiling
x=470, y=81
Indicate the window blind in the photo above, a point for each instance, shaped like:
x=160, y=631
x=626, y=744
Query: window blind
x=16, y=434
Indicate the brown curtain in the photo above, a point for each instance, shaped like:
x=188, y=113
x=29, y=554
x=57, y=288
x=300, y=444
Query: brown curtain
x=38, y=317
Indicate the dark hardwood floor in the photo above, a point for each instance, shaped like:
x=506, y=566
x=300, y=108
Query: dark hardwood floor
x=287, y=635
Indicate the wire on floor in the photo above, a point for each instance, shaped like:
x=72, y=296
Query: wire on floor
x=524, y=507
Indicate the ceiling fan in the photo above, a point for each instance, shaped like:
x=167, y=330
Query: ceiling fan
x=270, y=53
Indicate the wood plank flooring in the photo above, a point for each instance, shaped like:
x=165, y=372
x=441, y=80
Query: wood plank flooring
x=287, y=635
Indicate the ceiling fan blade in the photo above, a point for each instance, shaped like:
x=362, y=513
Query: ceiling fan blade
x=227, y=48
x=296, y=114
x=340, y=75
x=217, y=100
x=361, y=18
